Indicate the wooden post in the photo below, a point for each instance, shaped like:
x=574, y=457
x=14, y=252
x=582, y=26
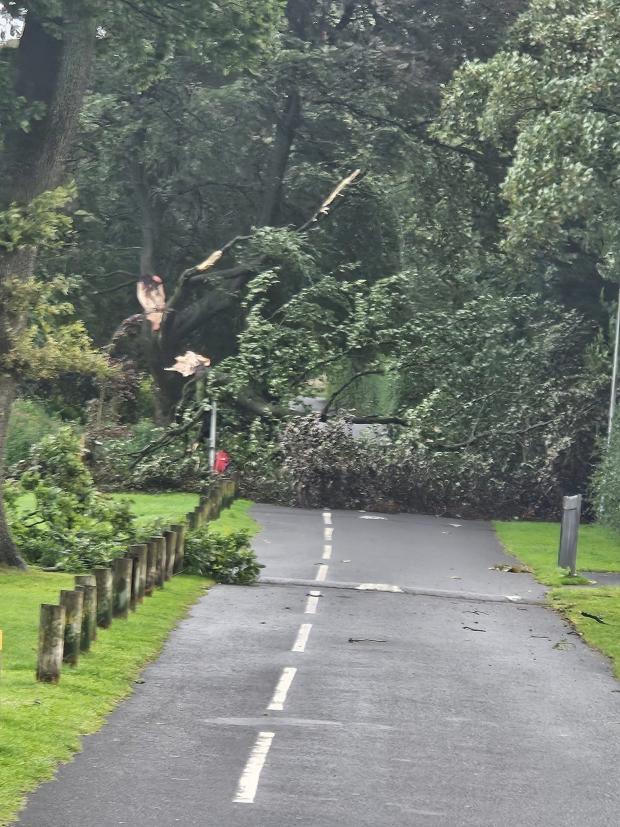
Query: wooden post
x=151, y=566
x=88, y=584
x=160, y=558
x=51, y=641
x=122, y=569
x=198, y=516
x=179, y=552
x=72, y=602
x=103, y=577
x=190, y=520
x=171, y=551
x=138, y=552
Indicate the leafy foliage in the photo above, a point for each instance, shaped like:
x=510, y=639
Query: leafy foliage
x=72, y=526
x=226, y=558
x=29, y=423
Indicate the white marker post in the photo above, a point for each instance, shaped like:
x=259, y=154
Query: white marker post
x=212, y=435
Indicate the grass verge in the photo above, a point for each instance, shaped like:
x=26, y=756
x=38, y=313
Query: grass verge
x=237, y=518
x=605, y=604
x=147, y=508
x=536, y=545
x=41, y=725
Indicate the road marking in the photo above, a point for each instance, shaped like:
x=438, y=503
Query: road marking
x=327, y=551
x=312, y=603
x=302, y=638
x=284, y=684
x=328, y=533
x=248, y=783
x=378, y=587
x=327, y=517
x=322, y=573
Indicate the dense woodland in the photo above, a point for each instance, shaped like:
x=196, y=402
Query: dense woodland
x=458, y=292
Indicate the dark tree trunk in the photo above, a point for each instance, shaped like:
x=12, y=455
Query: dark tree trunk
x=286, y=130
x=8, y=552
x=52, y=66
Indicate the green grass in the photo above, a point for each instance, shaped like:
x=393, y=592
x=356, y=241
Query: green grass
x=603, y=602
x=237, y=518
x=41, y=725
x=160, y=508
x=536, y=545
x=148, y=508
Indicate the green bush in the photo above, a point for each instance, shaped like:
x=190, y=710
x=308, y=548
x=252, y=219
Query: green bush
x=28, y=424
x=72, y=526
x=226, y=558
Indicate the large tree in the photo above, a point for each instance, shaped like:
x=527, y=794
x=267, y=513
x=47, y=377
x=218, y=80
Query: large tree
x=42, y=88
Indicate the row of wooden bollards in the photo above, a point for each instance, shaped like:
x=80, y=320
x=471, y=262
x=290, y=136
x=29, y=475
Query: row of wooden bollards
x=69, y=628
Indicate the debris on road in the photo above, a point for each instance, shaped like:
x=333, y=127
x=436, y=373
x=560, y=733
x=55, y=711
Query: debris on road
x=513, y=569
x=593, y=617
x=471, y=629
x=366, y=640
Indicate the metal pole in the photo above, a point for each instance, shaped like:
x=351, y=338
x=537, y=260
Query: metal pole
x=614, y=377
x=212, y=435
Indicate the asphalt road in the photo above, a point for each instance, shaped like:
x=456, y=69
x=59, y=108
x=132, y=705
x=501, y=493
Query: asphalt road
x=452, y=702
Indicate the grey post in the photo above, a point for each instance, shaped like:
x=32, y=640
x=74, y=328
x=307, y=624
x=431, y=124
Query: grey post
x=571, y=516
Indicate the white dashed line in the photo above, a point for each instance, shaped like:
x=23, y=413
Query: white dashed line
x=302, y=638
x=327, y=551
x=327, y=517
x=248, y=783
x=378, y=587
x=328, y=533
x=312, y=603
x=284, y=684
x=322, y=573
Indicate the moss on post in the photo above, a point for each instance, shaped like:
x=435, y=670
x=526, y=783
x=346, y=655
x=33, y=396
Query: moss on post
x=103, y=578
x=179, y=553
x=88, y=584
x=72, y=602
x=122, y=569
x=51, y=643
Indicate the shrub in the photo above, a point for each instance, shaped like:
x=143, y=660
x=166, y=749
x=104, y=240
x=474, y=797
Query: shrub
x=71, y=525
x=29, y=422
x=226, y=558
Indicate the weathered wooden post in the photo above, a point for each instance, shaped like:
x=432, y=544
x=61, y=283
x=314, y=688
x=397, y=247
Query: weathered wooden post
x=190, y=521
x=103, y=578
x=151, y=566
x=160, y=561
x=51, y=642
x=88, y=584
x=72, y=602
x=171, y=550
x=199, y=516
x=179, y=552
x=122, y=569
x=138, y=552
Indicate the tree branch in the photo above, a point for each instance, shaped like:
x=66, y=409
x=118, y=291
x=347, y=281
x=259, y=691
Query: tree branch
x=343, y=387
